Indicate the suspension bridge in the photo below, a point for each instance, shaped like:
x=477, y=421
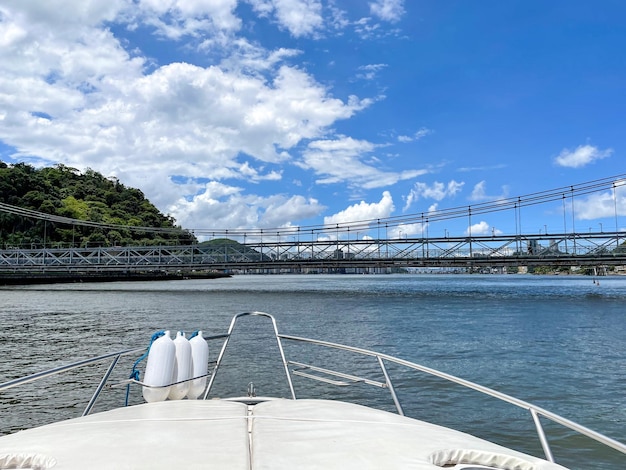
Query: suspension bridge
x=365, y=255
x=361, y=247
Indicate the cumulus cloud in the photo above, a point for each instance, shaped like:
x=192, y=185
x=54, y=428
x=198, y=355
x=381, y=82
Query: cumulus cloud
x=482, y=228
x=408, y=230
x=75, y=90
x=602, y=205
x=222, y=206
x=73, y=94
x=176, y=18
x=479, y=193
x=388, y=10
x=583, y=155
x=363, y=211
x=207, y=115
x=340, y=160
x=437, y=191
x=245, y=57
x=299, y=17
x=32, y=15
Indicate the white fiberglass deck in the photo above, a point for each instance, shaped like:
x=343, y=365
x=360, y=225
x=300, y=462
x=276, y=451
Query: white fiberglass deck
x=276, y=434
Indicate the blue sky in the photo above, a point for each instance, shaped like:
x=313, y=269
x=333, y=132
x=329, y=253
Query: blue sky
x=290, y=113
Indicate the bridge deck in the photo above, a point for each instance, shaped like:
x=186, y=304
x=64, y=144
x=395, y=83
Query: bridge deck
x=526, y=250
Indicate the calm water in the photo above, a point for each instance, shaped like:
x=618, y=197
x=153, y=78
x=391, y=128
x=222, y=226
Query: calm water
x=559, y=342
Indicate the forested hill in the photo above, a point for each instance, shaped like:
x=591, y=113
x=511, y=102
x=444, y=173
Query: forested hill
x=89, y=196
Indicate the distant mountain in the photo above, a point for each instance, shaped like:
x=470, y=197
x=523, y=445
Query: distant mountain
x=61, y=191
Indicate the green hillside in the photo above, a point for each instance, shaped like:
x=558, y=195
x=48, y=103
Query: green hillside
x=89, y=196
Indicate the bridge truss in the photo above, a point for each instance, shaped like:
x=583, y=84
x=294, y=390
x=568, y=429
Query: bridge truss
x=365, y=244
x=592, y=249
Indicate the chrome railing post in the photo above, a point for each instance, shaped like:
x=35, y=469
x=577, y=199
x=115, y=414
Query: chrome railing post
x=103, y=381
x=542, y=436
x=390, y=386
x=228, y=335
x=284, y=359
x=220, y=356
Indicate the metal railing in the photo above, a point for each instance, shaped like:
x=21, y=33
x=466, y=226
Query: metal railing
x=76, y=365
x=535, y=411
x=329, y=376
x=530, y=249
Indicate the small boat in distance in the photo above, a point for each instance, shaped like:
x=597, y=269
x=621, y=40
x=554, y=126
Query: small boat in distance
x=295, y=431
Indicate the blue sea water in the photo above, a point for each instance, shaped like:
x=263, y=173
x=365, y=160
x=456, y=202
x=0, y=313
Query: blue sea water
x=556, y=341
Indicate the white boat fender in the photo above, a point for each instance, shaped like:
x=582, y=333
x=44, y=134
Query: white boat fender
x=134, y=373
x=182, y=368
x=200, y=362
x=160, y=368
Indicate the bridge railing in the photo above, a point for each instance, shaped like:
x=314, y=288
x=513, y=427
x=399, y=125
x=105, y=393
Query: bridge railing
x=539, y=249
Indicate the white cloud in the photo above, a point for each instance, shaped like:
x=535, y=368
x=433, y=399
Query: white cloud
x=388, y=10
x=224, y=113
x=602, y=205
x=408, y=230
x=421, y=133
x=437, y=191
x=479, y=193
x=35, y=16
x=255, y=175
x=73, y=91
x=581, y=156
x=366, y=30
x=106, y=112
x=246, y=57
x=279, y=208
x=223, y=206
x=177, y=18
x=482, y=228
x=465, y=169
x=338, y=18
x=299, y=17
x=368, y=72
x=363, y=211
x=340, y=160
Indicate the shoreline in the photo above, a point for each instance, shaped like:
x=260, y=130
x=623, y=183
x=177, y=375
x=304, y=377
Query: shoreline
x=17, y=279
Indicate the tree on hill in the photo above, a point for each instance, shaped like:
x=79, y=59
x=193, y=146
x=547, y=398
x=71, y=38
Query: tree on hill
x=60, y=191
x=232, y=248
